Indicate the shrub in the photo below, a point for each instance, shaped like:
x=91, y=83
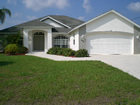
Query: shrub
x=72, y=53
x=53, y=50
x=22, y=50
x=14, y=39
x=82, y=53
x=68, y=52
x=60, y=52
x=11, y=49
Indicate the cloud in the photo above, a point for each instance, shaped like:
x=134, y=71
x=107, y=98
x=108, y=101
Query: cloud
x=37, y=5
x=17, y=15
x=31, y=17
x=81, y=18
x=87, y=6
x=12, y=1
x=134, y=6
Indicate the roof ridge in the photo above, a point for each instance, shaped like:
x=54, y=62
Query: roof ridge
x=68, y=17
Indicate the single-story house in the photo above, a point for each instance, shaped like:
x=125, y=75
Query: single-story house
x=108, y=33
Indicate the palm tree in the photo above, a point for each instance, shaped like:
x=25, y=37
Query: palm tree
x=3, y=13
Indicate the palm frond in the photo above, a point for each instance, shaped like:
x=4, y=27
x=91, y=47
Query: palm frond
x=7, y=11
x=3, y=13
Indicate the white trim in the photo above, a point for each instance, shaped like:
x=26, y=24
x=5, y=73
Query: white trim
x=110, y=32
x=36, y=27
x=113, y=11
x=58, y=33
x=133, y=44
x=55, y=21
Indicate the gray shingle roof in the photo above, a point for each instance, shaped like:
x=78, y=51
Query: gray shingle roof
x=12, y=29
x=72, y=22
x=69, y=21
x=35, y=22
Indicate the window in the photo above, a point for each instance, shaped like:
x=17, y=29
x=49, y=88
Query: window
x=39, y=33
x=74, y=39
x=61, y=41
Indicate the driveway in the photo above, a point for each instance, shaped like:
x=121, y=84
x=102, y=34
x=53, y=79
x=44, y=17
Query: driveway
x=127, y=63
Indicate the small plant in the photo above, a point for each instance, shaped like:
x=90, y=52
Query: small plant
x=72, y=53
x=11, y=49
x=60, y=52
x=68, y=52
x=81, y=53
x=53, y=50
x=22, y=50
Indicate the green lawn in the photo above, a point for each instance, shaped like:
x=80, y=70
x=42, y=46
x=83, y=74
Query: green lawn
x=28, y=80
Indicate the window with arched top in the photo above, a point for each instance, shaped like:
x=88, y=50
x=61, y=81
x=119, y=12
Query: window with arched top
x=61, y=41
x=38, y=33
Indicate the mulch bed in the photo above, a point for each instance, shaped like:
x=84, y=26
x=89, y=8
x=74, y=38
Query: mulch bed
x=15, y=54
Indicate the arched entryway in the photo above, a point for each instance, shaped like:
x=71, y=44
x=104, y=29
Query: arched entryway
x=38, y=41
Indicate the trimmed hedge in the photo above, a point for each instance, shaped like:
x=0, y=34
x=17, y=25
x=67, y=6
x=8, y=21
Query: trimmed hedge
x=22, y=50
x=11, y=49
x=68, y=52
x=53, y=50
x=82, y=53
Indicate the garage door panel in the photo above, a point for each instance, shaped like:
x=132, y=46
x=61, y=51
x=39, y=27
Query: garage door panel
x=109, y=44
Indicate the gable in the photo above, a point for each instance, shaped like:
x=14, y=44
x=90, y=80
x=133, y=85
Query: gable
x=128, y=23
x=65, y=21
x=110, y=22
x=51, y=22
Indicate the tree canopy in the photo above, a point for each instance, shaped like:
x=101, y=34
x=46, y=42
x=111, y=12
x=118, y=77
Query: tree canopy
x=3, y=13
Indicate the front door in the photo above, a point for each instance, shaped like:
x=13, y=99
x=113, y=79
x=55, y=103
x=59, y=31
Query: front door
x=38, y=42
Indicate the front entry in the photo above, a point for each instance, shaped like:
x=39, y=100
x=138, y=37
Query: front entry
x=38, y=41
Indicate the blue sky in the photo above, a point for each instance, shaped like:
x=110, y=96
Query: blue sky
x=25, y=10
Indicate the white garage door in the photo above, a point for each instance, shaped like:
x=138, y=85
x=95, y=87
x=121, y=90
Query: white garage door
x=109, y=43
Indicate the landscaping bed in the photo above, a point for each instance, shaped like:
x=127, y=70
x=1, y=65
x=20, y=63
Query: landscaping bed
x=68, y=52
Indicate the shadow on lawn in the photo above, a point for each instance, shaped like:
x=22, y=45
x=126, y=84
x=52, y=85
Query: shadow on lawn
x=5, y=63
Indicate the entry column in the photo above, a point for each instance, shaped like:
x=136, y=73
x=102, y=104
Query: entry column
x=49, y=39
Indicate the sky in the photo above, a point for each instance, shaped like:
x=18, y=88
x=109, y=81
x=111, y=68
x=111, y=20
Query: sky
x=26, y=10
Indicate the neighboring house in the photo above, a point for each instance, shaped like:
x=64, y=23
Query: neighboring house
x=109, y=33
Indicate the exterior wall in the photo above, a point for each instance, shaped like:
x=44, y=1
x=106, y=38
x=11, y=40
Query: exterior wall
x=48, y=21
x=136, y=41
x=28, y=38
x=82, y=32
x=74, y=35
x=110, y=22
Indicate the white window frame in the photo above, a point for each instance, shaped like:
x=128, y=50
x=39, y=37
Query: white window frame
x=60, y=41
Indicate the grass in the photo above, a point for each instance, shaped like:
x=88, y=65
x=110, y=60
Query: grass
x=27, y=80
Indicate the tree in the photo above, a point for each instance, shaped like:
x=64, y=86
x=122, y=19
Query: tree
x=3, y=13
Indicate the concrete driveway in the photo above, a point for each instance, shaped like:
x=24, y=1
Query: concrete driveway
x=126, y=63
